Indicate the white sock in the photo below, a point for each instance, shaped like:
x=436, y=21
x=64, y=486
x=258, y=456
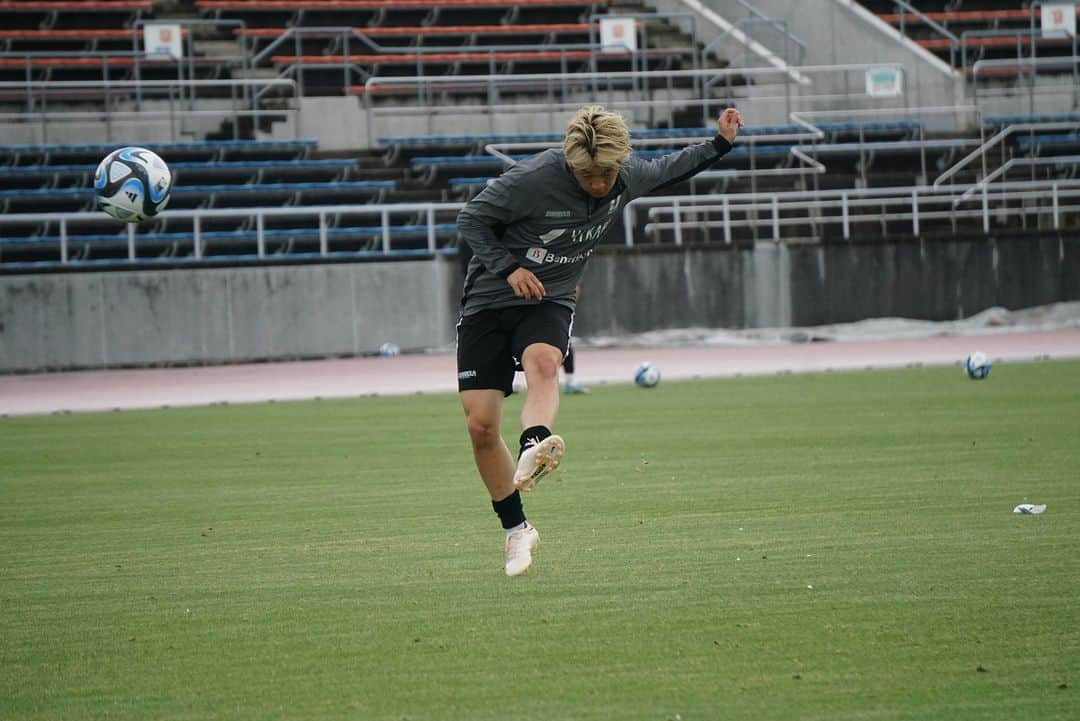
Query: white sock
x=569, y=379
x=519, y=527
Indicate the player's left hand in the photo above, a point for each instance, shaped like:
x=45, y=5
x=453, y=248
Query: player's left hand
x=729, y=123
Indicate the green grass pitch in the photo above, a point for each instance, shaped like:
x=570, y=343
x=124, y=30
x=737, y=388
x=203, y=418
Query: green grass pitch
x=825, y=546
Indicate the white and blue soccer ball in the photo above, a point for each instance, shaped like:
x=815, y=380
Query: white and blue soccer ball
x=647, y=375
x=977, y=366
x=132, y=184
x=389, y=350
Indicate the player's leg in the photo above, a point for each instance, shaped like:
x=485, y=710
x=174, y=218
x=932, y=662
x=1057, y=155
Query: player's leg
x=541, y=362
x=485, y=377
x=541, y=341
x=483, y=417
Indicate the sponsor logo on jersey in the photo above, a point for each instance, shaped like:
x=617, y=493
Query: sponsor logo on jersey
x=542, y=256
x=587, y=235
x=551, y=235
x=557, y=214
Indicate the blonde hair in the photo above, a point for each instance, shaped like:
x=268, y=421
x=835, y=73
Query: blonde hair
x=596, y=137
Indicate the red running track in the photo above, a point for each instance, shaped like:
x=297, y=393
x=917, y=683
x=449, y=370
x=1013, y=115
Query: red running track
x=436, y=373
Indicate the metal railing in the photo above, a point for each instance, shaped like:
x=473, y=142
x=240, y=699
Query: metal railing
x=320, y=217
x=187, y=26
x=126, y=101
x=790, y=46
x=906, y=9
x=347, y=39
x=651, y=92
x=1029, y=67
x=982, y=151
x=812, y=211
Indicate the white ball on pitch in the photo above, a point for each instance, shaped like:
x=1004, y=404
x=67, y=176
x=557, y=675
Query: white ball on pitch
x=388, y=350
x=132, y=184
x=647, y=375
x=977, y=366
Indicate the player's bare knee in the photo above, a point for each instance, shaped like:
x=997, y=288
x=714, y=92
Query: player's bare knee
x=543, y=364
x=483, y=432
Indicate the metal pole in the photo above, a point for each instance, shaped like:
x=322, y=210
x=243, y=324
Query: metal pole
x=260, y=239
x=776, y=218
x=131, y=241
x=1054, y=200
x=678, y=224
x=431, y=229
x=727, y=222
x=63, y=241
x=196, y=231
x=385, y=214
x=844, y=214
x=915, y=212
x=323, y=244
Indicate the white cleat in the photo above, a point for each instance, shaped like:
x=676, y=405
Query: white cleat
x=520, y=545
x=538, y=460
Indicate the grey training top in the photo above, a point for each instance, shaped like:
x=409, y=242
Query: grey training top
x=537, y=216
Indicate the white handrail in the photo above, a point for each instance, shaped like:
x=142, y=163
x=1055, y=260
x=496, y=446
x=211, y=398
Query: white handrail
x=994, y=140
x=845, y=199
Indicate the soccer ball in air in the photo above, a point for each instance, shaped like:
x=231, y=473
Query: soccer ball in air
x=977, y=366
x=132, y=184
x=647, y=375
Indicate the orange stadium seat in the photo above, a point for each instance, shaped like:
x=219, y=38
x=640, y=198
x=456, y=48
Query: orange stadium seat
x=256, y=5
x=415, y=30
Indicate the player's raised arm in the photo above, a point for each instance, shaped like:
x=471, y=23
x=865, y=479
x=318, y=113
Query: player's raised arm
x=651, y=175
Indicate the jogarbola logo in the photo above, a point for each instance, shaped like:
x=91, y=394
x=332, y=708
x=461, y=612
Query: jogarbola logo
x=557, y=214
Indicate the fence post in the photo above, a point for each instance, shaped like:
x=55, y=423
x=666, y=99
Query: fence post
x=915, y=212
x=323, y=245
x=845, y=216
x=385, y=214
x=431, y=229
x=196, y=232
x=1054, y=200
x=63, y=240
x=676, y=218
x=776, y=218
x=131, y=241
x=727, y=221
x=260, y=240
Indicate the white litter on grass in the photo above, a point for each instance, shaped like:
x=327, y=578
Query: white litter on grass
x=1030, y=508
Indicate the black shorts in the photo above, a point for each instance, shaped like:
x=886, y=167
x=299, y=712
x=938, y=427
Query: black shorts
x=490, y=343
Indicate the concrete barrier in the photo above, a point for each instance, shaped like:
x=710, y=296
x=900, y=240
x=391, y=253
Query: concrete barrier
x=223, y=315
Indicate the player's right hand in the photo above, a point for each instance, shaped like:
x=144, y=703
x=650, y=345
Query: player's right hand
x=526, y=284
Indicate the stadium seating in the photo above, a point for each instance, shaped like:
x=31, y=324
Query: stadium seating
x=210, y=174
x=980, y=29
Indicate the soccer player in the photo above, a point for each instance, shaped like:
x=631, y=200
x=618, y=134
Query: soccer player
x=531, y=232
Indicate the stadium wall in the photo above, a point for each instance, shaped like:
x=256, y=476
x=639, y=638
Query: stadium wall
x=218, y=315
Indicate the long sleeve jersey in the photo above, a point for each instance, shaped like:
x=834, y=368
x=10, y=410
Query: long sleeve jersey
x=537, y=216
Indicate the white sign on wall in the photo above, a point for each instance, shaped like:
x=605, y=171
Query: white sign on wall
x=884, y=82
x=161, y=39
x=1059, y=18
x=618, y=34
